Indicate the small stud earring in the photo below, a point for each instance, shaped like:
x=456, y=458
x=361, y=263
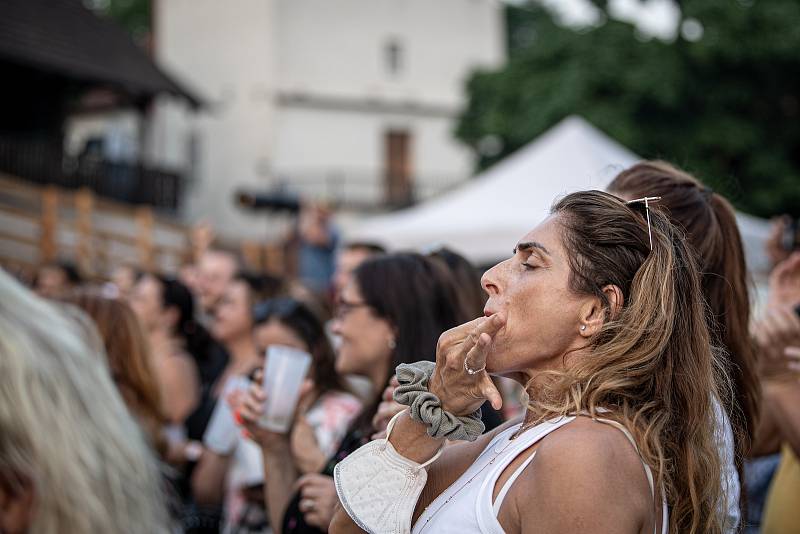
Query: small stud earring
x=392, y=344
x=583, y=327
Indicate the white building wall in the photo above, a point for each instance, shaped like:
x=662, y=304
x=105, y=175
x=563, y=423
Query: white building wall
x=299, y=91
x=224, y=51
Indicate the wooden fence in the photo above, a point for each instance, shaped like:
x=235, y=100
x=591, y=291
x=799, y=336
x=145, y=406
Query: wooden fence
x=40, y=224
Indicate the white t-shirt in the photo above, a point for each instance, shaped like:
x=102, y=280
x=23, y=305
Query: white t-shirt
x=730, y=477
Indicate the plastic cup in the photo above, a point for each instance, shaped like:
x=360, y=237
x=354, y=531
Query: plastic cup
x=284, y=372
x=221, y=433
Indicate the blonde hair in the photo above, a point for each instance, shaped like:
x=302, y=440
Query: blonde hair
x=64, y=426
x=128, y=355
x=652, y=364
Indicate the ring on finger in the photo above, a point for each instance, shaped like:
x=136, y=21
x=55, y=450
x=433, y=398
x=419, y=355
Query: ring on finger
x=307, y=505
x=471, y=371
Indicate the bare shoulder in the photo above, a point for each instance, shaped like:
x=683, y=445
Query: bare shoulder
x=586, y=476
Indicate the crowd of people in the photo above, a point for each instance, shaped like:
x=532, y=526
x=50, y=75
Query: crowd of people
x=611, y=375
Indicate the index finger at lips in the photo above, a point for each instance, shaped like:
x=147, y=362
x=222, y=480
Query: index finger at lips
x=476, y=357
x=459, y=333
x=492, y=325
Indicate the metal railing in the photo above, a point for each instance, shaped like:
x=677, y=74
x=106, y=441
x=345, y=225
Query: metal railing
x=44, y=163
x=362, y=190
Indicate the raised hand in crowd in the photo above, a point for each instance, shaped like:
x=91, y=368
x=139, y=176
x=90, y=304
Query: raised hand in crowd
x=784, y=283
x=318, y=499
x=777, y=330
x=387, y=409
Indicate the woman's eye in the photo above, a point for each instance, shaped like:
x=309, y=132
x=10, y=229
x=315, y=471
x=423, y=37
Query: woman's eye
x=529, y=266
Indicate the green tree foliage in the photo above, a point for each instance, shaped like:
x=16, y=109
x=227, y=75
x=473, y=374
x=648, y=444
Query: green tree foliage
x=724, y=106
x=133, y=15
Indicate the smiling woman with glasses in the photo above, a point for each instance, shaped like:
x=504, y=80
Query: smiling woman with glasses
x=390, y=312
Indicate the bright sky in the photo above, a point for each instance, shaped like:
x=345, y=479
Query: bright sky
x=654, y=18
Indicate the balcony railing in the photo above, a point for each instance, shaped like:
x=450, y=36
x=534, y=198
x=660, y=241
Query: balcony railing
x=359, y=190
x=132, y=183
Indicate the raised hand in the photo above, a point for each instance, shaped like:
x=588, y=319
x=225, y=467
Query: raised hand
x=249, y=413
x=318, y=499
x=784, y=283
x=387, y=409
x=777, y=334
x=460, y=379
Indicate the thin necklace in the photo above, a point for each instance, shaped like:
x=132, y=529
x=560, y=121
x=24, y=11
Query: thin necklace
x=518, y=433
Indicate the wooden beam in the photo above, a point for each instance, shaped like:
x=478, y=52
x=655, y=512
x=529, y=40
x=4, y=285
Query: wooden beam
x=47, y=225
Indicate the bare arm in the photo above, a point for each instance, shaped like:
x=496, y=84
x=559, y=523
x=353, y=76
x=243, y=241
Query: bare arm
x=208, y=479
x=280, y=474
x=180, y=387
x=784, y=397
x=767, y=437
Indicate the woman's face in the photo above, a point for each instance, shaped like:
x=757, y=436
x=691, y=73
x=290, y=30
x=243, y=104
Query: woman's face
x=233, y=315
x=146, y=302
x=365, y=338
x=542, y=314
x=274, y=332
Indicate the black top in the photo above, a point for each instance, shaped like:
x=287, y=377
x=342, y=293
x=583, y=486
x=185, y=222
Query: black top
x=293, y=520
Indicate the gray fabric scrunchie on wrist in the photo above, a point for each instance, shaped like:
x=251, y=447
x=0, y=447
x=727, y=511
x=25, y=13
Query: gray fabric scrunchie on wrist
x=426, y=407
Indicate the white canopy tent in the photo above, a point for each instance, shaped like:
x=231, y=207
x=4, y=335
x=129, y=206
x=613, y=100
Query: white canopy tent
x=484, y=218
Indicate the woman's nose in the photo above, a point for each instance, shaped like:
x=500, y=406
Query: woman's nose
x=336, y=326
x=490, y=280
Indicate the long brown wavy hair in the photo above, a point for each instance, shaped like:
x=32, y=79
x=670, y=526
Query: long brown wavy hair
x=128, y=353
x=710, y=226
x=652, y=364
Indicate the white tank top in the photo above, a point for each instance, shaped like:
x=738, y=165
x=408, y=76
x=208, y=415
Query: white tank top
x=466, y=506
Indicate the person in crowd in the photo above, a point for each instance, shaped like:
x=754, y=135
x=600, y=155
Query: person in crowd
x=322, y=415
x=233, y=327
x=129, y=360
x=124, y=278
x=391, y=312
x=191, y=359
x=349, y=257
x=778, y=335
x=709, y=223
x=216, y=268
x=163, y=306
x=599, y=314
x=72, y=458
x=317, y=239
x=329, y=406
x=233, y=322
x=467, y=278
x=55, y=280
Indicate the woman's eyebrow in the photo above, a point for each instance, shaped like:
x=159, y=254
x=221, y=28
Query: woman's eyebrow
x=528, y=245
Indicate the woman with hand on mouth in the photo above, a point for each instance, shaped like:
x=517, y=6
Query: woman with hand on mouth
x=599, y=315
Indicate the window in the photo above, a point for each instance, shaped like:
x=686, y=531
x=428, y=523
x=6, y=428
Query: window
x=397, y=165
x=394, y=56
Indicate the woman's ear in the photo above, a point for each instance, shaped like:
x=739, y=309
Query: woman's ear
x=593, y=314
x=615, y=299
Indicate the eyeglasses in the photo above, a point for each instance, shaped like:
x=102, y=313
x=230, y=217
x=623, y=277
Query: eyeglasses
x=646, y=201
x=343, y=307
x=275, y=307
